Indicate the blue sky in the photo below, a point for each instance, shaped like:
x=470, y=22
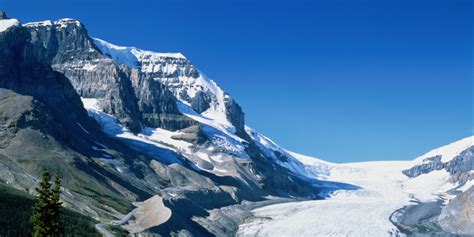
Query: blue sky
x=341, y=80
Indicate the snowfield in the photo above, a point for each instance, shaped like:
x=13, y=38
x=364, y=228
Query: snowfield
x=7, y=23
x=363, y=212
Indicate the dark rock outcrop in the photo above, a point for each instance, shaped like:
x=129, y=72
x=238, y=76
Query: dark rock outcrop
x=24, y=73
x=434, y=163
x=459, y=167
x=236, y=116
x=3, y=15
x=200, y=102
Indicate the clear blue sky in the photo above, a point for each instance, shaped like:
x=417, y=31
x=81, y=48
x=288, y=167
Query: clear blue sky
x=341, y=80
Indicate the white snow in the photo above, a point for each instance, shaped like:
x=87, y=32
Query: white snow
x=39, y=23
x=221, y=134
x=163, y=139
x=7, y=23
x=300, y=165
x=131, y=56
x=448, y=152
x=66, y=21
x=90, y=103
x=361, y=212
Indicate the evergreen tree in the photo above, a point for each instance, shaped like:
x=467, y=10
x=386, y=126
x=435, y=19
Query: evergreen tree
x=46, y=217
x=56, y=207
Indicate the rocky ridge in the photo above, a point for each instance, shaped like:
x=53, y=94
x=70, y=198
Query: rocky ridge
x=118, y=133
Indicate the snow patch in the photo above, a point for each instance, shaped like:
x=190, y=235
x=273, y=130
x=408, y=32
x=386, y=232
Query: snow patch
x=39, y=23
x=131, y=56
x=7, y=23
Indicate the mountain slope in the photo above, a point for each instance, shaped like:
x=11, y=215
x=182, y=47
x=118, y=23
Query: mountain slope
x=121, y=132
x=15, y=208
x=127, y=127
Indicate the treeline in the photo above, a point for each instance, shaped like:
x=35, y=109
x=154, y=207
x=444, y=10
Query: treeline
x=16, y=210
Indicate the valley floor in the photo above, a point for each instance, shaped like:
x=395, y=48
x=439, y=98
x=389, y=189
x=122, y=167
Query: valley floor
x=362, y=212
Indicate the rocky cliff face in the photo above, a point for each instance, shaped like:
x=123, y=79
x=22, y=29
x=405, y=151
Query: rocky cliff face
x=153, y=125
x=458, y=215
x=123, y=92
x=22, y=71
x=459, y=167
x=183, y=79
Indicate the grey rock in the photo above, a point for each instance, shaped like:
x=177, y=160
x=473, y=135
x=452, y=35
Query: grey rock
x=56, y=63
x=200, y=102
x=3, y=15
x=457, y=216
x=433, y=164
x=236, y=116
x=459, y=167
x=192, y=134
x=123, y=92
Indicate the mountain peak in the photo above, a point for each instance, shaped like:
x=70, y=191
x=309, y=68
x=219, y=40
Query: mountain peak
x=59, y=23
x=3, y=15
x=67, y=21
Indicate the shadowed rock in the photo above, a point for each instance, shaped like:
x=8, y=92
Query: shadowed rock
x=3, y=15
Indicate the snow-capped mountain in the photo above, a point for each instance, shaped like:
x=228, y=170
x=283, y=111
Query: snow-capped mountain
x=145, y=141
x=188, y=84
x=136, y=124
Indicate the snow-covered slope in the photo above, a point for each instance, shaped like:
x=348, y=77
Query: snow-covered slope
x=7, y=23
x=202, y=100
x=366, y=211
x=447, y=152
x=361, y=212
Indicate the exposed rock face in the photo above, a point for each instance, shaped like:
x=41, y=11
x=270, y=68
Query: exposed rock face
x=18, y=112
x=459, y=167
x=47, y=128
x=3, y=15
x=183, y=79
x=195, y=165
x=200, y=102
x=433, y=164
x=123, y=92
x=23, y=72
x=458, y=216
x=236, y=116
